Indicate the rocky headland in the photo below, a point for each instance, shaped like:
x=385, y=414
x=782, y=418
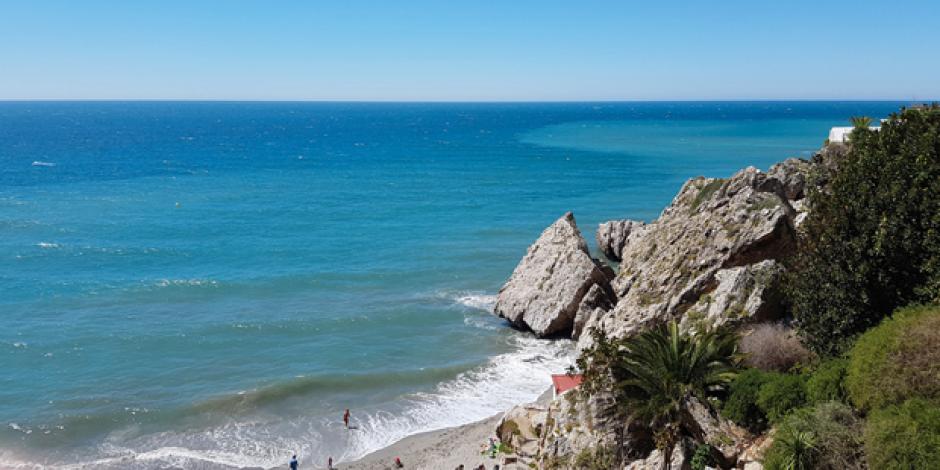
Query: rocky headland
x=712, y=258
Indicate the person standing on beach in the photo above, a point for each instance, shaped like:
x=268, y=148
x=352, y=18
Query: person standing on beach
x=346, y=418
x=329, y=464
x=293, y=462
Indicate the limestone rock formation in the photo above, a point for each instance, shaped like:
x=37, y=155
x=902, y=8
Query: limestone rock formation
x=612, y=236
x=521, y=428
x=594, y=304
x=546, y=289
x=711, y=255
x=742, y=294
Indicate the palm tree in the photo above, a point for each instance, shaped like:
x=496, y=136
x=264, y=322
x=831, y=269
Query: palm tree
x=863, y=122
x=659, y=372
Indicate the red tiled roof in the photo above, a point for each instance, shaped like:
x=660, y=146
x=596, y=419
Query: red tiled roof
x=564, y=382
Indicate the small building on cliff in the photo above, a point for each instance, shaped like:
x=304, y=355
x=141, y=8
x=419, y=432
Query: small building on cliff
x=561, y=383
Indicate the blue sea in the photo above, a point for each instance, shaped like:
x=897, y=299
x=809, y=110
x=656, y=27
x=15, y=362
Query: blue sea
x=204, y=285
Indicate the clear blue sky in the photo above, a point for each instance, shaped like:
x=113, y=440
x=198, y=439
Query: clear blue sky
x=469, y=50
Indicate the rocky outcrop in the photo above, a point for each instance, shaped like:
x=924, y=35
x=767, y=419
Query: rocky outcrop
x=711, y=255
x=612, y=236
x=726, y=438
x=521, y=428
x=742, y=294
x=594, y=305
x=712, y=258
x=546, y=290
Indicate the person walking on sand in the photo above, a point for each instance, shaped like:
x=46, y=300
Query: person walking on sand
x=293, y=462
x=346, y=418
x=329, y=463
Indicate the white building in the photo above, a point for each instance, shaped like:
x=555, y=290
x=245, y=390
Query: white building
x=841, y=134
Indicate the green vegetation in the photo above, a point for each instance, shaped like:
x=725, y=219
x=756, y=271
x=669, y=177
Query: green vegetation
x=702, y=458
x=780, y=394
x=871, y=242
x=897, y=360
x=741, y=403
x=657, y=375
x=863, y=122
x=905, y=436
x=827, y=382
x=597, y=458
x=826, y=436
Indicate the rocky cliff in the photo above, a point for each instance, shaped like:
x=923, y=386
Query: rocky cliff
x=713, y=257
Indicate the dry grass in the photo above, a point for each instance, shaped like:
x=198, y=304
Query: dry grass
x=773, y=347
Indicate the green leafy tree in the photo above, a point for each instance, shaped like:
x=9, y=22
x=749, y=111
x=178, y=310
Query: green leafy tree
x=656, y=376
x=871, y=242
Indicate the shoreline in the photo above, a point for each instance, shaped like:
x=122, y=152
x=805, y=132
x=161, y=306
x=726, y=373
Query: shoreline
x=441, y=449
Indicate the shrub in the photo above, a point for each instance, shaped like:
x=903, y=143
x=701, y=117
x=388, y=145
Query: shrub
x=780, y=394
x=827, y=382
x=904, y=436
x=897, y=360
x=792, y=451
x=702, y=458
x=772, y=346
x=870, y=244
x=741, y=404
x=827, y=436
x=598, y=458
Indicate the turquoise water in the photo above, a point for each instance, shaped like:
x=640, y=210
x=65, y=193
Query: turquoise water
x=211, y=284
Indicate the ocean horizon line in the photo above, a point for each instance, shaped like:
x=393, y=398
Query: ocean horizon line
x=392, y=101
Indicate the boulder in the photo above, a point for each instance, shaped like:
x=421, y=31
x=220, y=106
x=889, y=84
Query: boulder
x=612, y=236
x=546, y=289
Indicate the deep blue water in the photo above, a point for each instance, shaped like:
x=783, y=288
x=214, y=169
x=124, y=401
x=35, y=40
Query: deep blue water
x=213, y=283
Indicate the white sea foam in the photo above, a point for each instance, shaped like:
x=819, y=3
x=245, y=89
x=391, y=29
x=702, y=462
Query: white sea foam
x=478, y=301
x=507, y=379
x=186, y=282
x=265, y=441
x=47, y=245
x=46, y=164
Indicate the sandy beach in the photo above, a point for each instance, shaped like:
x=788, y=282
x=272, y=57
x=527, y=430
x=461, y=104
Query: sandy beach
x=443, y=449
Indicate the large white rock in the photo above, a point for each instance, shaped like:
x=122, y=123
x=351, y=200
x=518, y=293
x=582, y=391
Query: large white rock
x=547, y=287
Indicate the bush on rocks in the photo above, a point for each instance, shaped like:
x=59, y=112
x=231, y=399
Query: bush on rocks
x=827, y=436
x=741, y=403
x=827, y=382
x=896, y=360
x=773, y=347
x=780, y=394
x=905, y=436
